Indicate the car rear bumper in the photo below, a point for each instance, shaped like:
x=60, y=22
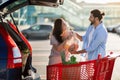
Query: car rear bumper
x=11, y=74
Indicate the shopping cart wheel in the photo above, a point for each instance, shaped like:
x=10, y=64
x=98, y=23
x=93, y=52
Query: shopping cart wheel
x=28, y=78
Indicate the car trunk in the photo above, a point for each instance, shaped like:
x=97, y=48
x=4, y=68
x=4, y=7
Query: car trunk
x=16, y=41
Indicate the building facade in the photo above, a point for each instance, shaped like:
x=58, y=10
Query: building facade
x=73, y=12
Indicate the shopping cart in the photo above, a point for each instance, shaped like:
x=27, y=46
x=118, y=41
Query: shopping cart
x=100, y=69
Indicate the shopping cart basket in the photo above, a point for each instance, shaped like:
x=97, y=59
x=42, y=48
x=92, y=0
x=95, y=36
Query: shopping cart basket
x=100, y=69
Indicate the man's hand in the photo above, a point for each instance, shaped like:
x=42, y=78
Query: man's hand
x=79, y=52
x=79, y=36
x=74, y=52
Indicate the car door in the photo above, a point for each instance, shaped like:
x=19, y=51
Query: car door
x=45, y=30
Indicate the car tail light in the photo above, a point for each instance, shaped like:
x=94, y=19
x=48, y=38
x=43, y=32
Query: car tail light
x=14, y=60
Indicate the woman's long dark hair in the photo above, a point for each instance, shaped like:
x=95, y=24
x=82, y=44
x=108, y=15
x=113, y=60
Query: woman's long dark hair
x=58, y=30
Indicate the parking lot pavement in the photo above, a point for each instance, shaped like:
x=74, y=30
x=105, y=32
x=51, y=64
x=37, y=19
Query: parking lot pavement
x=41, y=52
x=116, y=70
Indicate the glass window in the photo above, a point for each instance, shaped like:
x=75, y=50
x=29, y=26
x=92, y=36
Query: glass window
x=45, y=27
x=35, y=28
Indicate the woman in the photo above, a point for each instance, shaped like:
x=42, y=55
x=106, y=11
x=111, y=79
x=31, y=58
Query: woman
x=60, y=40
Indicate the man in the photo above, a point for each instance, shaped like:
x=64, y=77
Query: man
x=94, y=41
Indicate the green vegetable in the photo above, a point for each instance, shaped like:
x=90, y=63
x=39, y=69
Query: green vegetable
x=26, y=51
x=63, y=57
x=71, y=61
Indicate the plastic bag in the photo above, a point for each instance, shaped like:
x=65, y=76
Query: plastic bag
x=71, y=61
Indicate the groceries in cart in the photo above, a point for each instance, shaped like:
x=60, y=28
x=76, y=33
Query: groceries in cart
x=99, y=69
x=72, y=59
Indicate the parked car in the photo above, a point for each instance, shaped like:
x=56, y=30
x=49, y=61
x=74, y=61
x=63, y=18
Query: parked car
x=15, y=53
x=113, y=28
x=118, y=30
x=38, y=31
x=15, y=50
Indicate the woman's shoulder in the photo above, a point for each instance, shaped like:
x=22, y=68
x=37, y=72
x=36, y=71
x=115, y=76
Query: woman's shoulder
x=53, y=40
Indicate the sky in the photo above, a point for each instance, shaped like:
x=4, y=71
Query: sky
x=98, y=1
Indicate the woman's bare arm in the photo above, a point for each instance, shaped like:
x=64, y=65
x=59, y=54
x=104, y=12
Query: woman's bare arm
x=60, y=46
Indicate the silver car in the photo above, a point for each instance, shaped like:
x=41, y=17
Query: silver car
x=38, y=31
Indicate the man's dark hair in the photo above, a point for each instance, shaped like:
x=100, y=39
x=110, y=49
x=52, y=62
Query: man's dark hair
x=97, y=13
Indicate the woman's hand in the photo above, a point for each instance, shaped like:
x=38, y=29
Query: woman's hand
x=73, y=47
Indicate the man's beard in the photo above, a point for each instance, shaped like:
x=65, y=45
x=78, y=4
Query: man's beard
x=92, y=22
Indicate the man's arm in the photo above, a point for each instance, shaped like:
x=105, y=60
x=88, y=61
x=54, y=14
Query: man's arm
x=79, y=36
x=79, y=52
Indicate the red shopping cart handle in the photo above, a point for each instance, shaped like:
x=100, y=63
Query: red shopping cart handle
x=114, y=55
x=99, y=56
